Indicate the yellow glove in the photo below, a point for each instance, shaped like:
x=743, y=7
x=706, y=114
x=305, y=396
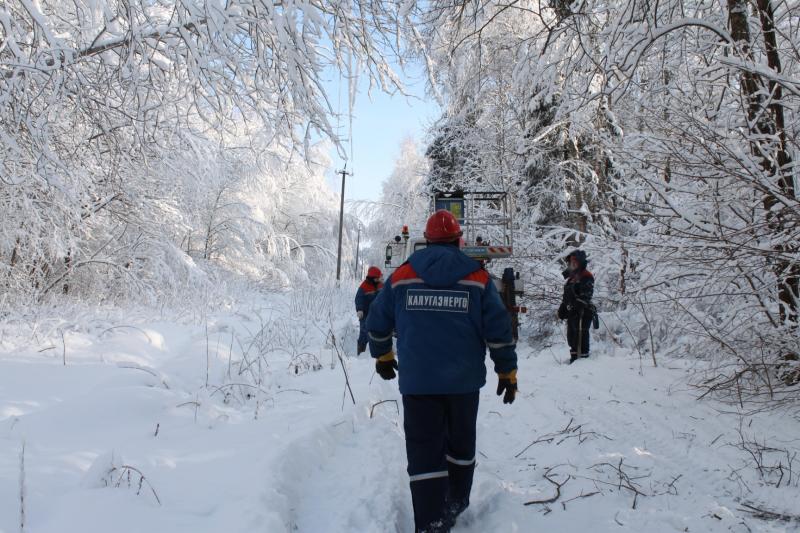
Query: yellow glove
x=386, y=365
x=507, y=383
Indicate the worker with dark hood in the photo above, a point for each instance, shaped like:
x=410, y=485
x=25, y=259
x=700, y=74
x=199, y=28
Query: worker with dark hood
x=576, y=304
x=446, y=312
x=365, y=295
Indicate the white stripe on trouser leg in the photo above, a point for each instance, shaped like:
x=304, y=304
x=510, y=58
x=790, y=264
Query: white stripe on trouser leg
x=461, y=462
x=429, y=475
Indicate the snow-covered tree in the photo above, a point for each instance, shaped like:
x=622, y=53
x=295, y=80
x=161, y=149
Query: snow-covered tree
x=107, y=107
x=404, y=201
x=661, y=137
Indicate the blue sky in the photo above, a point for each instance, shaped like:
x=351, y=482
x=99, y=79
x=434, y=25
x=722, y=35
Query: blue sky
x=380, y=123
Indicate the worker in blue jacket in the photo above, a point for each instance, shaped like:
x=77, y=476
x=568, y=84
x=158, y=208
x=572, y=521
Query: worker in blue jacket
x=365, y=295
x=446, y=311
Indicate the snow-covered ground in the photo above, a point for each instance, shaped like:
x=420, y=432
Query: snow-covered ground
x=241, y=422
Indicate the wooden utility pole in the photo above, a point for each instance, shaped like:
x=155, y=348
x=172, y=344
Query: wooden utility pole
x=344, y=174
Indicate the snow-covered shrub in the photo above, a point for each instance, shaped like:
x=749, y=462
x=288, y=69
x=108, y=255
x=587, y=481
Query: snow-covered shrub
x=663, y=145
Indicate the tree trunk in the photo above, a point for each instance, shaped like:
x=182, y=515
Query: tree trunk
x=788, y=289
x=765, y=117
x=15, y=253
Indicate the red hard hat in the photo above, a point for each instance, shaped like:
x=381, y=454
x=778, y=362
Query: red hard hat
x=442, y=226
x=374, y=272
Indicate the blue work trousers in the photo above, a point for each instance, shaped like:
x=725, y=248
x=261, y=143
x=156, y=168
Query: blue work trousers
x=440, y=445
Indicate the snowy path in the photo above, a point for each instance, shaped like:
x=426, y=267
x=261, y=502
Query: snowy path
x=678, y=453
x=586, y=418
x=303, y=463
x=345, y=478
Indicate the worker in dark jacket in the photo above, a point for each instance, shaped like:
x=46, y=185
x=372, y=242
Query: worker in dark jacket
x=365, y=295
x=446, y=312
x=576, y=304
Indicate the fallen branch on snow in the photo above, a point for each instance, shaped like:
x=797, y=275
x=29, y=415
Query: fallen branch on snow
x=766, y=514
x=555, y=483
x=374, y=405
x=624, y=481
x=569, y=432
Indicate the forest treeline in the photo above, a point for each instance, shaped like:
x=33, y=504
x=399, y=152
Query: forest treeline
x=147, y=146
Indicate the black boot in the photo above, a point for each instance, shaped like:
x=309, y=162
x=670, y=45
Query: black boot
x=454, y=508
x=572, y=358
x=361, y=349
x=440, y=526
